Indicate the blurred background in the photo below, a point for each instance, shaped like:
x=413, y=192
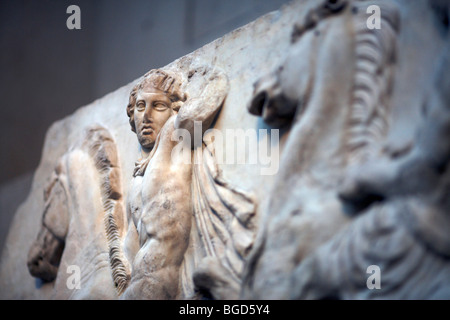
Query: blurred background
x=48, y=71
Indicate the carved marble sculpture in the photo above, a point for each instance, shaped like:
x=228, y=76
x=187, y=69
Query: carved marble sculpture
x=363, y=180
x=83, y=205
x=163, y=193
x=182, y=223
x=368, y=199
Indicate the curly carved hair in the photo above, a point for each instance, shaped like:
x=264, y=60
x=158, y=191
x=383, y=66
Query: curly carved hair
x=167, y=82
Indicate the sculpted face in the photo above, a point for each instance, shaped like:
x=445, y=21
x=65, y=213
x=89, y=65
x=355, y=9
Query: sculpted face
x=152, y=110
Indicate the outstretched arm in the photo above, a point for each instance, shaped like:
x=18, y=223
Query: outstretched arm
x=204, y=106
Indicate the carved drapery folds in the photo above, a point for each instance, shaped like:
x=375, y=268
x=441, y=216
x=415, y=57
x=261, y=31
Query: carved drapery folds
x=224, y=218
x=219, y=237
x=363, y=180
x=393, y=197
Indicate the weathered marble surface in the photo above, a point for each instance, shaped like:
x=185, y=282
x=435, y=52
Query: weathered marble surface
x=363, y=175
x=109, y=112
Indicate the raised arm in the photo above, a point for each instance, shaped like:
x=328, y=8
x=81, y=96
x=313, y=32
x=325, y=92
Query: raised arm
x=205, y=104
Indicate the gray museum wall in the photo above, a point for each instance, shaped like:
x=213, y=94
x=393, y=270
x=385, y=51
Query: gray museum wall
x=48, y=71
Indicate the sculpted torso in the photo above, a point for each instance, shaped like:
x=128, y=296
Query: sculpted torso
x=146, y=252
x=159, y=205
x=160, y=211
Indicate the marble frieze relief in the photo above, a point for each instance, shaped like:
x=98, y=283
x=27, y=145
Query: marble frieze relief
x=303, y=156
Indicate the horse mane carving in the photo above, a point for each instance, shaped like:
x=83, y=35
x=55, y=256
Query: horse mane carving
x=45, y=253
x=375, y=55
x=103, y=150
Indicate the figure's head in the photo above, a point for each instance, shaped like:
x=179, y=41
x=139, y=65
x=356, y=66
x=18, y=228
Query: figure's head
x=152, y=102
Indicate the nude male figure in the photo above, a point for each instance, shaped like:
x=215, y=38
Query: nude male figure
x=159, y=208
